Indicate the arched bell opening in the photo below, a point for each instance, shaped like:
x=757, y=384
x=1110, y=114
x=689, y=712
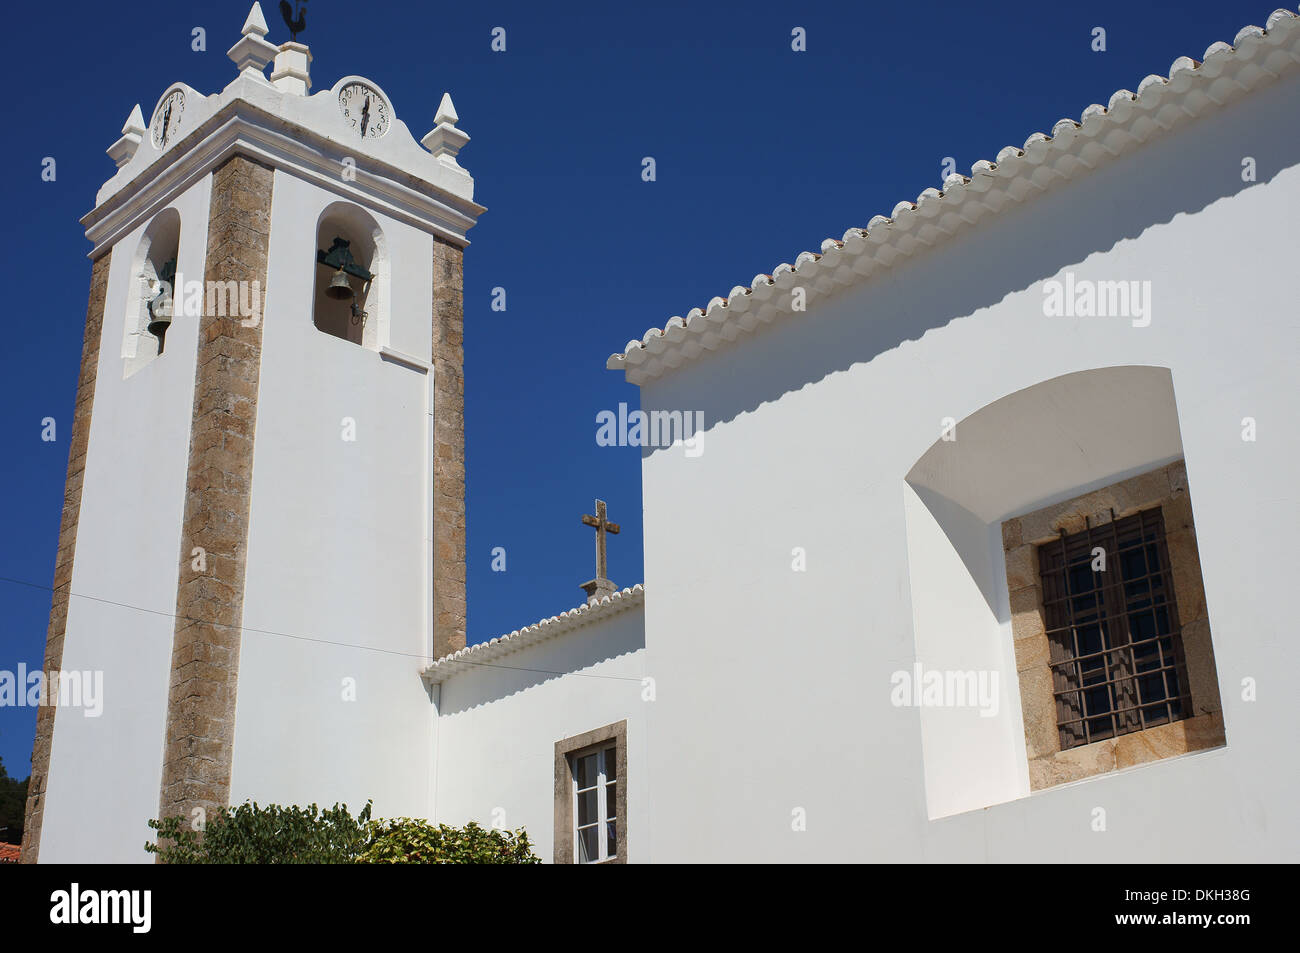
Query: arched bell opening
x=150, y=304
x=350, y=275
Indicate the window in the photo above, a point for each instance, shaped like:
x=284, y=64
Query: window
x=595, y=796
x=1114, y=658
x=1001, y=527
x=1112, y=624
x=591, y=797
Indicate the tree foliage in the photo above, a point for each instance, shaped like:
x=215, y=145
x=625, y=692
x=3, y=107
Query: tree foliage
x=13, y=807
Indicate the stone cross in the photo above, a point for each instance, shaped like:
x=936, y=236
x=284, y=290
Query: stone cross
x=600, y=587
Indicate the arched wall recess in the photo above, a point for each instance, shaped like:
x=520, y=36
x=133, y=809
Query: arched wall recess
x=1086, y=448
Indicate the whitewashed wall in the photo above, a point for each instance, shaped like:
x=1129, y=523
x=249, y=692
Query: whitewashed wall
x=498, y=725
x=105, y=772
x=774, y=684
x=338, y=548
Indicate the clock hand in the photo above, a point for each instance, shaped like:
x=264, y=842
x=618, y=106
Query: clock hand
x=365, y=116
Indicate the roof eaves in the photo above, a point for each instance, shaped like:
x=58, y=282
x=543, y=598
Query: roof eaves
x=1019, y=173
x=484, y=653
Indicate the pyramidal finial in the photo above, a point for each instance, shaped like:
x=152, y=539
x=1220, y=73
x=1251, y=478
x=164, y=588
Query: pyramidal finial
x=124, y=149
x=256, y=23
x=445, y=140
x=446, y=111
x=251, y=54
x=134, y=122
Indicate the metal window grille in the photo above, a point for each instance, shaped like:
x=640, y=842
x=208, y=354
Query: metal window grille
x=1116, y=647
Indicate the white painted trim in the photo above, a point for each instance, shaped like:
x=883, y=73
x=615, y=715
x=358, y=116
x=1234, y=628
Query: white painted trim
x=243, y=128
x=401, y=357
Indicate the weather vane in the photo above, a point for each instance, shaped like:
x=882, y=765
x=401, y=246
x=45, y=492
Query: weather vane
x=295, y=17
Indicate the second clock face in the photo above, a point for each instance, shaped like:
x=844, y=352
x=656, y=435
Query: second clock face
x=167, y=118
x=365, y=110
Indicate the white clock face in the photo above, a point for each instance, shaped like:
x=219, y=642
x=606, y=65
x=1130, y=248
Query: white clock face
x=365, y=110
x=167, y=118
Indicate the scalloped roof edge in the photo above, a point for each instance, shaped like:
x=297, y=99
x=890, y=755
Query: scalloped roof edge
x=483, y=653
x=1102, y=133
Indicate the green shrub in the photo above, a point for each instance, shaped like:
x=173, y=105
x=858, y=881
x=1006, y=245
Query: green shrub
x=251, y=834
x=406, y=841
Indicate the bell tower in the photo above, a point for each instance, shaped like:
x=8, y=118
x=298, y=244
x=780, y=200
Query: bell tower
x=263, y=534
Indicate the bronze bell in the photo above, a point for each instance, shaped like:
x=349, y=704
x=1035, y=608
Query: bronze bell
x=159, y=325
x=340, y=288
x=160, y=315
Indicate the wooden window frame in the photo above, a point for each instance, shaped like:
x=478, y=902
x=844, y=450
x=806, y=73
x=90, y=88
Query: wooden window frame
x=605, y=811
x=1112, y=614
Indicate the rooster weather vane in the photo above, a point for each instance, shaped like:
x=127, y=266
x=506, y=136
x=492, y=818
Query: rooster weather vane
x=295, y=17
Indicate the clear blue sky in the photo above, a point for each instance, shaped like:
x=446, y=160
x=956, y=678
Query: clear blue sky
x=761, y=153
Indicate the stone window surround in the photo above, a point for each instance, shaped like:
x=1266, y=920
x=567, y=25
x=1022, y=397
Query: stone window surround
x=1165, y=486
x=563, y=834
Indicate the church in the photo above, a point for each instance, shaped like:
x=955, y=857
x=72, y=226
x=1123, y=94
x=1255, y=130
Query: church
x=982, y=507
